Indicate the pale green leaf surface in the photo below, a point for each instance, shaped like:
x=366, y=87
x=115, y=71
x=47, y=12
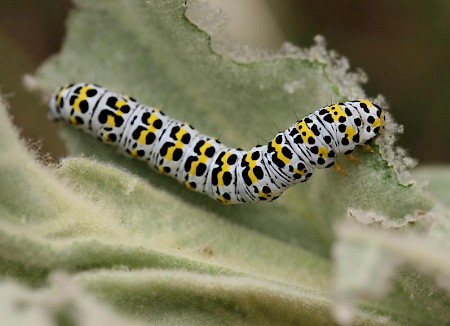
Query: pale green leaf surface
x=437, y=179
x=102, y=232
x=63, y=303
x=215, y=299
x=366, y=262
x=249, y=263
x=150, y=50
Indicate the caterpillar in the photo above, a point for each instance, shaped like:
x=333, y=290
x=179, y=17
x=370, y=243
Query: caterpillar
x=203, y=163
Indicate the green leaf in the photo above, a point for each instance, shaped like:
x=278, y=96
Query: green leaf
x=169, y=255
x=63, y=303
x=366, y=262
x=437, y=178
x=150, y=50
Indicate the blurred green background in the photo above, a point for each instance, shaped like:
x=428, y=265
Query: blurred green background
x=403, y=46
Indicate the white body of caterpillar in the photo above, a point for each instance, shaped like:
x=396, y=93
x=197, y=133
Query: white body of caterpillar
x=202, y=163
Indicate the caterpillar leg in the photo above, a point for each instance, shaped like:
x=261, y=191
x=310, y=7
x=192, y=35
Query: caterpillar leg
x=339, y=169
x=353, y=158
x=368, y=148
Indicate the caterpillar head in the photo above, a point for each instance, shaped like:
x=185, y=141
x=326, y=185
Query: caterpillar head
x=372, y=117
